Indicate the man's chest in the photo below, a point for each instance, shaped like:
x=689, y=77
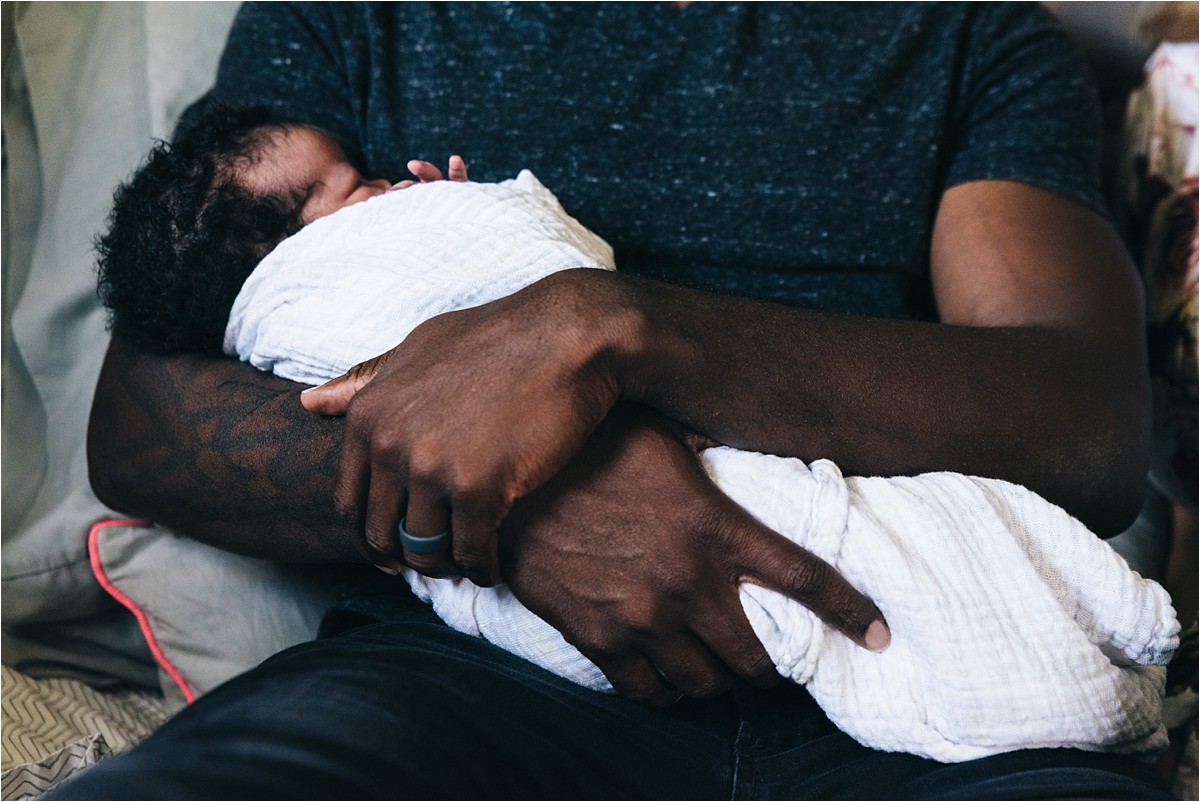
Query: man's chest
x=717, y=137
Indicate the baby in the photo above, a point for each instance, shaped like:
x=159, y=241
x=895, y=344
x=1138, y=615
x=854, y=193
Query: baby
x=207, y=208
x=1013, y=626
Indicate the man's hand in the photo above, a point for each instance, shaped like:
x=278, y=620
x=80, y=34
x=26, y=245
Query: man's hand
x=474, y=410
x=636, y=557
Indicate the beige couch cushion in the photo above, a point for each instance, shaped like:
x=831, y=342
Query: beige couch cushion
x=87, y=87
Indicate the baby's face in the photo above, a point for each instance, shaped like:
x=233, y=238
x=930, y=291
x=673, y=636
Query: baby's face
x=312, y=162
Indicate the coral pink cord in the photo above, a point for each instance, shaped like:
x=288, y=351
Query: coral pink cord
x=129, y=604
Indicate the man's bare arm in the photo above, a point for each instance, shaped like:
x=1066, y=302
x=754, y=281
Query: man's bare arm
x=225, y=454
x=1037, y=372
x=1039, y=377
x=219, y=451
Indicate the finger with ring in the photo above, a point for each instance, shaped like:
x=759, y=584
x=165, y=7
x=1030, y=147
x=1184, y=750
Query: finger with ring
x=423, y=545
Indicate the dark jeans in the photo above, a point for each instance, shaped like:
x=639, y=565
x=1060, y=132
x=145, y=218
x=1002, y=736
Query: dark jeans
x=407, y=708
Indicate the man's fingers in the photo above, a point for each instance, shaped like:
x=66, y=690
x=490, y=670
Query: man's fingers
x=458, y=169
x=774, y=562
x=476, y=546
x=385, y=498
x=728, y=635
x=330, y=398
x=350, y=495
x=334, y=396
x=424, y=171
x=689, y=666
x=634, y=677
x=427, y=518
x=352, y=482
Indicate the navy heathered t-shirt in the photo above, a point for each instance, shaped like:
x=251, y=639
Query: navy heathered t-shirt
x=792, y=152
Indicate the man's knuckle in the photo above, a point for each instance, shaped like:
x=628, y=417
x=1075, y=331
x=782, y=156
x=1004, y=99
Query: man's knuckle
x=600, y=647
x=642, y=694
x=423, y=467
x=357, y=418
x=427, y=564
x=707, y=525
x=390, y=457
x=709, y=686
x=642, y=622
x=807, y=579
x=717, y=530
x=476, y=564
x=345, y=507
x=379, y=541
x=469, y=555
x=676, y=582
x=470, y=490
x=754, y=663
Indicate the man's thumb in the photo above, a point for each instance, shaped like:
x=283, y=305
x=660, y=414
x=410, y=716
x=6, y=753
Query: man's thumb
x=330, y=398
x=334, y=396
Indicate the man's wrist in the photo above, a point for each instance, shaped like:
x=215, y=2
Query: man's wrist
x=652, y=352
x=600, y=323
x=631, y=331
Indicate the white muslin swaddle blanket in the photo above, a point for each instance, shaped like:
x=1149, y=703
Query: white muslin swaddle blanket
x=1013, y=626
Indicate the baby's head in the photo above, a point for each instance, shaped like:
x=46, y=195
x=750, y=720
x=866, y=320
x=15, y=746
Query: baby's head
x=303, y=161
x=196, y=218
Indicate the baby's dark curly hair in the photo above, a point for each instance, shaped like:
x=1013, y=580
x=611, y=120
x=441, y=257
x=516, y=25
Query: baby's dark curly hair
x=183, y=235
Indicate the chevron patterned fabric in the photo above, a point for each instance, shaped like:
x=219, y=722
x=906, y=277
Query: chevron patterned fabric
x=55, y=727
x=31, y=780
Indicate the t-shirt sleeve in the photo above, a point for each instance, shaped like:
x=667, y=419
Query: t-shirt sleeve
x=1027, y=108
x=298, y=60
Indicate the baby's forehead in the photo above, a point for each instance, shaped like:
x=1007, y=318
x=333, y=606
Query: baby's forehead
x=284, y=139
x=287, y=156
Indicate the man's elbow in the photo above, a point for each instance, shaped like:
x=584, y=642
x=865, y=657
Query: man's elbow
x=1115, y=507
x=110, y=490
x=110, y=479
x=1111, y=476
x=112, y=468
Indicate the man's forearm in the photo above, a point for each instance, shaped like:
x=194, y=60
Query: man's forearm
x=218, y=451
x=1037, y=406
x=1036, y=373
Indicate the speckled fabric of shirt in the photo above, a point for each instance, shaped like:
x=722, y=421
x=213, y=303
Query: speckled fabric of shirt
x=791, y=152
